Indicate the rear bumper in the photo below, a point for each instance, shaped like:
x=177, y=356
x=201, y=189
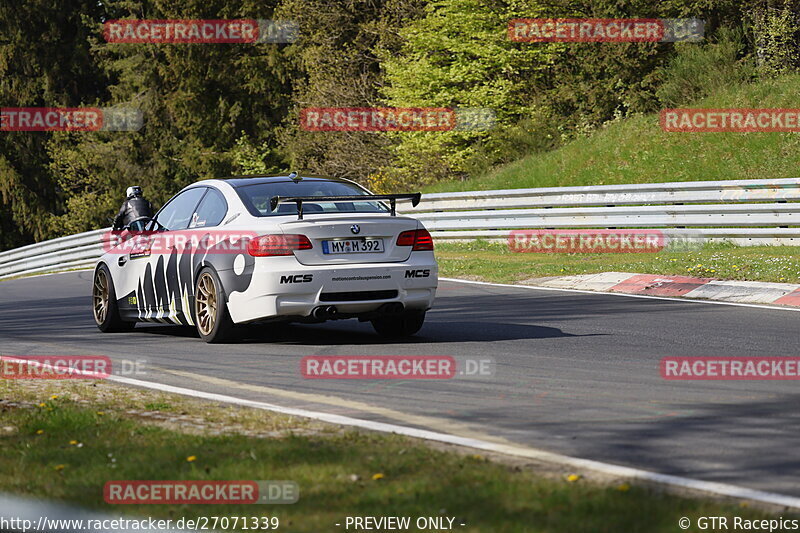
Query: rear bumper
x=282, y=287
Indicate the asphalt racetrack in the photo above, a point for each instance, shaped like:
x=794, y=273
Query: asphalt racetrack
x=576, y=374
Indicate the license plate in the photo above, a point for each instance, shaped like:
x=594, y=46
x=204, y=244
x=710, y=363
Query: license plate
x=352, y=246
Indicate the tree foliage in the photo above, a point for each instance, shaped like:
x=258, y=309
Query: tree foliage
x=459, y=56
x=201, y=105
x=217, y=110
x=44, y=61
x=335, y=64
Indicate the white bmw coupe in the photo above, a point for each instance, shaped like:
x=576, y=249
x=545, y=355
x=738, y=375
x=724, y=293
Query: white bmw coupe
x=242, y=250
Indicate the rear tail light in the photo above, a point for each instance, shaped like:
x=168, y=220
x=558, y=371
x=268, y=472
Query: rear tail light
x=277, y=244
x=419, y=239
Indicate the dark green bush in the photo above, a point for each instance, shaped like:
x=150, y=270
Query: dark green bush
x=697, y=71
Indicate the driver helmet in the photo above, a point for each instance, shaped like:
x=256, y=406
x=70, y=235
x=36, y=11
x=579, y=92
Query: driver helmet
x=133, y=191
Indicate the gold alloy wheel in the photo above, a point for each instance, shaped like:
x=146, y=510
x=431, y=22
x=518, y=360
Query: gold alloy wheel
x=205, y=304
x=100, y=296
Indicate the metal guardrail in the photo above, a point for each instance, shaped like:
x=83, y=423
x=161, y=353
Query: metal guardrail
x=745, y=212
x=64, y=253
x=689, y=192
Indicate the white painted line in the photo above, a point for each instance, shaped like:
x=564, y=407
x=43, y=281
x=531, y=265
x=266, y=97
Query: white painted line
x=646, y=296
x=23, y=275
x=747, y=292
x=721, y=489
x=589, y=282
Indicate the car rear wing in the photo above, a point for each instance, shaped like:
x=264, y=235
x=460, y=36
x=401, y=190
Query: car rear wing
x=275, y=200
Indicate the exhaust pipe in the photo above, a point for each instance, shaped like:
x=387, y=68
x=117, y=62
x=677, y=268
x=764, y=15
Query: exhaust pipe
x=325, y=312
x=392, y=308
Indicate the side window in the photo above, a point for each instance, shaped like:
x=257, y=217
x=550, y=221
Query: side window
x=178, y=211
x=211, y=211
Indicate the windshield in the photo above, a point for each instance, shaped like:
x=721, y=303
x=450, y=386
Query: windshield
x=257, y=197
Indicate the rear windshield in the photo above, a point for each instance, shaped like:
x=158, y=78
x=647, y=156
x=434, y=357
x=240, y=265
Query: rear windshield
x=257, y=196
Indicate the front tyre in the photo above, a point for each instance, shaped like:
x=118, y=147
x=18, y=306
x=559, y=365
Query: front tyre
x=104, y=303
x=211, y=317
x=402, y=325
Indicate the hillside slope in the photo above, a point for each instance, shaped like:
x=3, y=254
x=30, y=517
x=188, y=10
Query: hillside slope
x=636, y=150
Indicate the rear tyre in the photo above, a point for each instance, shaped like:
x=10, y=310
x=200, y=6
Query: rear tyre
x=402, y=325
x=211, y=317
x=104, y=303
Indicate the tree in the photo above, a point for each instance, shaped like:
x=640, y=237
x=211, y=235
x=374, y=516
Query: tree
x=44, y=61
x=199, y=103
x=335, y=65
x=459, y=56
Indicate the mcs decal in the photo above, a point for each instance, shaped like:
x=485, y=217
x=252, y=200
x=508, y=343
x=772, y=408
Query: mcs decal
x=298, y=278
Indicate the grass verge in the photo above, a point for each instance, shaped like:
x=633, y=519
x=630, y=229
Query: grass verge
x=493, y=261
x=66, y=446
x=636, y=150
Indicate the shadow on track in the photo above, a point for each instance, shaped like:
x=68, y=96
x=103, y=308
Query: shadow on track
x=756, y=441
x=351, y=332
x=56, y=315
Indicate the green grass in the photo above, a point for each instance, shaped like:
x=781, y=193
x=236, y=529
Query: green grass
x=158, y=406
x=64, y=450
x=635, y=150
x=493, y=261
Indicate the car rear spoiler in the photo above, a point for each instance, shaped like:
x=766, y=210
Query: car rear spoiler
x=275, y=200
